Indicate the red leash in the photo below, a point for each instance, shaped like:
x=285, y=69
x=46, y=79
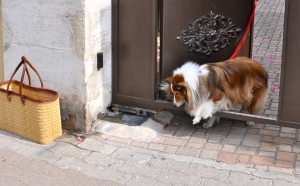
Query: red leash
x=238, y=48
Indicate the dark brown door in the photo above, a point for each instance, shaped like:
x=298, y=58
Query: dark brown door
x=134, y=52
x=176, y=18
x=290, y=89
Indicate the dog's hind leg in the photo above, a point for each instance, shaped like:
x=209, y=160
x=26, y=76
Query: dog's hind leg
x=214, y=120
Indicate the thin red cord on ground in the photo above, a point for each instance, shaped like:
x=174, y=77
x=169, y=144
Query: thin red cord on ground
x=238, y=48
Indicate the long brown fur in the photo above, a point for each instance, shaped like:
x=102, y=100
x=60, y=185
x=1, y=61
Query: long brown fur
x=238, y=81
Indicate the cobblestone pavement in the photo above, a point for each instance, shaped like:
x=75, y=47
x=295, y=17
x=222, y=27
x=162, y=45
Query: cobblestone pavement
x=182, y=154
x=16, y=170
x=267, y=47
x=168, y=160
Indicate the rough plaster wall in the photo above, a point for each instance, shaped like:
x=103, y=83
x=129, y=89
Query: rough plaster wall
x=98, y=39
x=51, y=33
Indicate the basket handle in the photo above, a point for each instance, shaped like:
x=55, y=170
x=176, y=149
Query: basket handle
x=23, y=62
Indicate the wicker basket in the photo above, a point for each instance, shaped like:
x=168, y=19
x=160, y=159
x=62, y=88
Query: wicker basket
x=28, y=111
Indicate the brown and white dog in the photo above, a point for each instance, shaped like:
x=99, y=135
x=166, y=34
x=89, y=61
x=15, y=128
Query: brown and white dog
x=212, y=87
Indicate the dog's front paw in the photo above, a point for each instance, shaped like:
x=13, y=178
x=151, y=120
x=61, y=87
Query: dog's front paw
x=196, y=120
x=250, y=123
x=210, y=122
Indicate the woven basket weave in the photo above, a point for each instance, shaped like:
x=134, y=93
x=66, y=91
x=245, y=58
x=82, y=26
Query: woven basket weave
x=28, y=111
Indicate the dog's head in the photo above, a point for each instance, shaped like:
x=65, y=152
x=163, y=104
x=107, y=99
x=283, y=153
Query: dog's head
x=176, y=89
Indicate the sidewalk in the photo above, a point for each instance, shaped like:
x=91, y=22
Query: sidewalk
x=19, y=170
x=181, y=154
x=122, y=161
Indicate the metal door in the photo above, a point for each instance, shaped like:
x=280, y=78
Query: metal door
x=178, y=16
x=138, y=23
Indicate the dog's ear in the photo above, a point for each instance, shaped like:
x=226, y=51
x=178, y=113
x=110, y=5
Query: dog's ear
x=188, y=96
x=185, y=93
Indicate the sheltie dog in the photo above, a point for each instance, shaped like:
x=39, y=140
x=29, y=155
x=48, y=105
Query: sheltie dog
x=213, y=87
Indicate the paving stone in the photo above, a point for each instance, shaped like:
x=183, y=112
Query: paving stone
x=122, y=140
x=262, y=160
x=286, y=156
x=198, y=139
x=246, y=150
x=156, y=146
x=285, y=164
x=142, y=168
x=12, y=144
x=281, y=170
x=285, y=135
x=266, y=153
x=213, y=182
x=229, y=148
x=206, y=172
x=296, y=147
x=172, y=177
x=74, y=164
x=282, y=182
x=195, y=145
x=42, y=154
x=159, y=139
x=187, y=151
x=164, y=116
x=245, y=179
x=268, y=147
x=130, y=155
x=247, y=143
x=133, y=120
x=103, y=160
x=175, y=141
x=110, y=174
x=67, y=149
x=213, y=146
x=143, y=180
x=139, y=144
x=231, y=141
x=239, y=130
x=235, y=135
x=215, y=139
x=184, y=132
x=252, y=137
x=227, y=157
x=166, y=163
x=212, y=132
x=200, y=131
x=286, y=148
x=268, y=132
x=171, y=148
x=96, y=146
x=288, y=130
x=209, y=154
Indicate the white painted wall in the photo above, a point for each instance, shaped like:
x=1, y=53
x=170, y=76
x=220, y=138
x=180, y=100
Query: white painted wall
x=61, y=38
x=98, y=39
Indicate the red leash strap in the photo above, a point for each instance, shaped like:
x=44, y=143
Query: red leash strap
x=238, y=48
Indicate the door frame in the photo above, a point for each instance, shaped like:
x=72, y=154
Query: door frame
x=1, y=46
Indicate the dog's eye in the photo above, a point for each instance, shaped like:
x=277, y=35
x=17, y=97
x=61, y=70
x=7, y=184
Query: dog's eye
x=178, y=88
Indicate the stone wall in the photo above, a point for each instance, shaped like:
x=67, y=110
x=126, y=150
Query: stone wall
x=61, y=38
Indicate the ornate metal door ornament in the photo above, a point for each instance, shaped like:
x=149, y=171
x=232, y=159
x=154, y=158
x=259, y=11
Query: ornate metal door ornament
x=209, y=34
